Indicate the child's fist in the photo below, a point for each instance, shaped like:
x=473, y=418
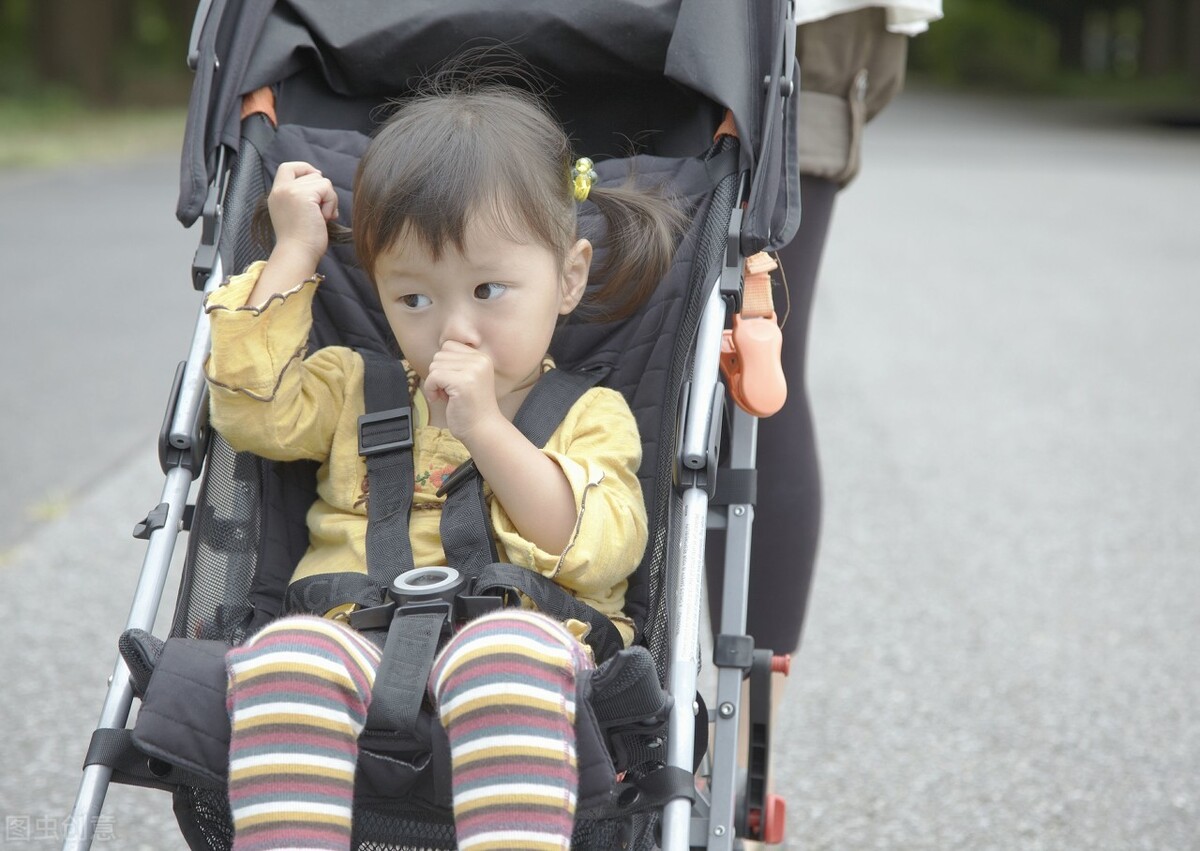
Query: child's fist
x=462, y=379
x=301, y=202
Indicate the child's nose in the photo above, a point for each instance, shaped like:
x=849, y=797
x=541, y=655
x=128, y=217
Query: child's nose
x=460, y=329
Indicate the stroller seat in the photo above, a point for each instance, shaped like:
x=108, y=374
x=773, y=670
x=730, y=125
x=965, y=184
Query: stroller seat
x=247, y=527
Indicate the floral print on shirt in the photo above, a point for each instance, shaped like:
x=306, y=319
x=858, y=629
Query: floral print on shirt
x=432, y=480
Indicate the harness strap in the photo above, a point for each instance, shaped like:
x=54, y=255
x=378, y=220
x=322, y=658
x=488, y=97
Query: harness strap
x=114, y=748
x=466, y=527
x=554, y=600
x=412, y=643
x=321, y=592
x=385, y=435
x=466, y=524
x=551, y=398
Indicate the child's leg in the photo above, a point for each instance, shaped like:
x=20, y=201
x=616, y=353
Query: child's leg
x=298, y=697
x=505, y=688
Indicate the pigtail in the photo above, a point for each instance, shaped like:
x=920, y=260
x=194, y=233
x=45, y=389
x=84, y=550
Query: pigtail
x=643, y=230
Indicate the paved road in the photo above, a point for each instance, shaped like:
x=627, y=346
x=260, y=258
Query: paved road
x=98, y=311
x=1005, y=373
x=1005, y=369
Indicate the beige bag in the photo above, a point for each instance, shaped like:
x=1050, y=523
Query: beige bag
x=850, y=68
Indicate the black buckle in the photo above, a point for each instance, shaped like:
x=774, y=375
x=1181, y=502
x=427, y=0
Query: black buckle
x=461, y=473
x=385, y=431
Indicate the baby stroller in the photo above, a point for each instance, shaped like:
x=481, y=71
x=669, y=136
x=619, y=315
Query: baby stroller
x=304, y=79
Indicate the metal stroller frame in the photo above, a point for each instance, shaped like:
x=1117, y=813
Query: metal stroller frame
x=764, y=215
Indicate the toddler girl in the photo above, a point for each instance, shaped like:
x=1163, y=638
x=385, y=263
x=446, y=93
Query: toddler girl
x=465, y=220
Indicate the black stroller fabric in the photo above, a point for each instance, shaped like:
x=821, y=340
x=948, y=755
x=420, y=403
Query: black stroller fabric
x=657, y=72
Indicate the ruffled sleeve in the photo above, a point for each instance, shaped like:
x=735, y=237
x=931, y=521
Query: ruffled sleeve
x=599, y=451
x=266, y=396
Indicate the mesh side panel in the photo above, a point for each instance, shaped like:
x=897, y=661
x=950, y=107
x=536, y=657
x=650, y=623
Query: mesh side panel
x=247, y=185
x=222, y=549
x=203, y=816
x=208, y=826
x=658, y=633
x=709, y=251
x=223, y=545
x=601, y=835
x=397, y=830
x=644, y=831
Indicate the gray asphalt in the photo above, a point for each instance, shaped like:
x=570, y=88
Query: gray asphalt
x=1001, y=647
x=98, y=311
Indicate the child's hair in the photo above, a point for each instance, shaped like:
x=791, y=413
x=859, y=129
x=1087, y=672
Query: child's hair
x=463, y=147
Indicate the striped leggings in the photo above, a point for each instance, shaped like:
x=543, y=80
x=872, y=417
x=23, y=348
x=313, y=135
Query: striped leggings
x=299, y=691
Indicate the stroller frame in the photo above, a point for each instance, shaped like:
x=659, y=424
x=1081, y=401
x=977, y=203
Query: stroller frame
x=717, y=816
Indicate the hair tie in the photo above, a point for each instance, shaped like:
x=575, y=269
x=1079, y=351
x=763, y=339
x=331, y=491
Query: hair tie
x=583, y=175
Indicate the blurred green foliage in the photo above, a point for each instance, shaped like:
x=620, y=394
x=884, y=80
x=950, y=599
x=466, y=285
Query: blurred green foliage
x=1141, y=52
x=132, y=52
x=988, y=43
x=104, y=51
x=14, y=43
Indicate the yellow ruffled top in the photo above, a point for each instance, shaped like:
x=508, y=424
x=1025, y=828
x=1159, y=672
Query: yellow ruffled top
x=271, y=397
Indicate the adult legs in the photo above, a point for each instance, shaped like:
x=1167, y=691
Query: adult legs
x=850, y=68
x=787, y=517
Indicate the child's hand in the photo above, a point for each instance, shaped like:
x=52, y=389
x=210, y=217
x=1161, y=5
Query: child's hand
x=461, y=390
x=300, y=203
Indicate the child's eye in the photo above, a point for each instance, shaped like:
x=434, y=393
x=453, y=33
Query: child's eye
x=414, y=300
x=483, y=292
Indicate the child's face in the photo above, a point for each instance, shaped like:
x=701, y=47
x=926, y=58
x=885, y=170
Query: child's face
x=498, y=296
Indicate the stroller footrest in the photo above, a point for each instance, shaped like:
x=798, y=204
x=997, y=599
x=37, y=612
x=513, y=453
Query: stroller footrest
x=114, y=748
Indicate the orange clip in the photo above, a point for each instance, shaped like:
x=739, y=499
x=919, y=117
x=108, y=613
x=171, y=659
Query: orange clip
x=750, y=351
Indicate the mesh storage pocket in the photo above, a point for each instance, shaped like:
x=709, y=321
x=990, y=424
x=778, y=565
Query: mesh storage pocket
x=222, y=549
x=206, y=824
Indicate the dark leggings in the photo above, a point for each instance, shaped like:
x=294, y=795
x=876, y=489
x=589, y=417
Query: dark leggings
x=787, y=516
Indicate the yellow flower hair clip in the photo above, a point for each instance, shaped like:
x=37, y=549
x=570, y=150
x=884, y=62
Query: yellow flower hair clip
x=583, y=175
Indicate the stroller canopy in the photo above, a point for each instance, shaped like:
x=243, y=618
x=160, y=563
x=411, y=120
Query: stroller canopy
x=636, y=66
